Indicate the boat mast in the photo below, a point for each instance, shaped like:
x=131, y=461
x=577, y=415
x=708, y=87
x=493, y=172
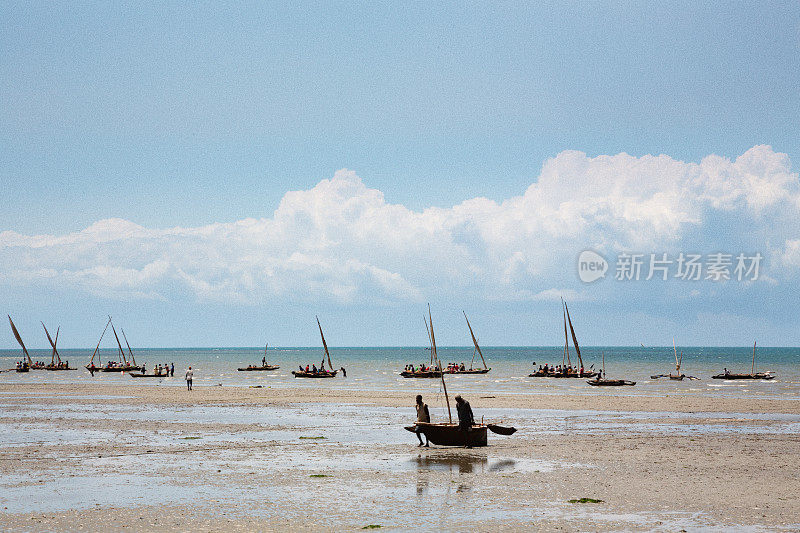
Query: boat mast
x=574, y=339
x=53, y=344
x=19, y=340
x=677, y=362
x=753, y=371
x=435, y=353
x=98, y=342
x=119, y=345
x=324, y=345
x=429, y=338
x=474, y=341
x=265, y=351
x=133, y=359
x=566, y=342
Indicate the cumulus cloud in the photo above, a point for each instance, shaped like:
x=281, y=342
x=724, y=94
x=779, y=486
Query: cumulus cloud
x=342, y=240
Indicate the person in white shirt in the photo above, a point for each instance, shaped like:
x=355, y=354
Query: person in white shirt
x=189, y=375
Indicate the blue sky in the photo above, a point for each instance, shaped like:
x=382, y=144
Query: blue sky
x=170, y=115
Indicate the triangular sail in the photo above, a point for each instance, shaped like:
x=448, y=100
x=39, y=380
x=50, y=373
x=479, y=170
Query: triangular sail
x=574, y=339
x=58, y=356
x=430, y=341
x=677, y=361
x=474, y=341
x=753, y=370
x=121, y=351
x=265, y=351
x=19, y=340
x=53, y=344
x=99, y=341
x=133, y=359
x=324, y=345
x=566, y=341
x=439, y=364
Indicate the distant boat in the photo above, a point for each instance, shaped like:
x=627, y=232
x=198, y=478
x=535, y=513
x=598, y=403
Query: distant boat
x=477, y=349
x=321, y=372
x=53, y=364
x=752, y=375
x=677, y=376
x=123, y=365
x=264, y=365
x=580, y=372
x=599, y=382
x=28, y=364
x=432, y=370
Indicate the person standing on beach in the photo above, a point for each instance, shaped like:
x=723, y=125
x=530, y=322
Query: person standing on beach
x=189, y=376
x=465, y=418
x=423, y=415
x=172, y=370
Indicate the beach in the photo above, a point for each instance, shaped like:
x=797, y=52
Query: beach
x=105, y=456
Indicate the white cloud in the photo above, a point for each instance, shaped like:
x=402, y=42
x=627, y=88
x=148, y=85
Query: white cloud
x=342, y=241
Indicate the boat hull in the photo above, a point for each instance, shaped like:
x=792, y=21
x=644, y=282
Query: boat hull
x=121, y=369
x=54, y=368
x=133, y=375
x=744, y=376
x=407, y=374
x=558, y=375
x=298, y=374
x=258, y=368
x=451, y=435
x=610, y=382
x=474, y=371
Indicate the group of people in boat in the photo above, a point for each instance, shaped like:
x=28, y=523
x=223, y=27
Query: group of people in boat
x=61, y=365
x=455, y=367
x=22, y=366
x=421, y=368
x=550, y=370
x=312, y=369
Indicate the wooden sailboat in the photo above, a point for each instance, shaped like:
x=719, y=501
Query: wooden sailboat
x=599, y=382
x=471, y=370
x=91, y=367
x=566, y=372
x=677, y=376
x=264, y=365
x=124, y=365
x=432, y=371
x=752, y=375
x=449, y=434
x=55, y=365
x=27, y=364
x=321, y=371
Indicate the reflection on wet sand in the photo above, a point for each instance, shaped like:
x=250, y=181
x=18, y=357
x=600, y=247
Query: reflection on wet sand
x=463, y=464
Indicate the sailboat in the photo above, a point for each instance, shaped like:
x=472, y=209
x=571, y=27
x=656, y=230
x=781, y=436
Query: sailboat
x=449, y=434
x=677, y=376
x=53, y=364
x=264, y=365
x=91, y=367
x=599, y=382
x=433, y=370
x=124, y=365
x=321, y=372
x=27, y=364
x=566, y=364
x=477, y=349
x=752, y=375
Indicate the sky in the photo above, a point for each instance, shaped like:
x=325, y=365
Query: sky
x=218, y=174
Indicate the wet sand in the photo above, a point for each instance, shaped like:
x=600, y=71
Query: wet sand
x=98, y=457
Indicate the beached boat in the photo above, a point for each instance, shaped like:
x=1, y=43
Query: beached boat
x=450, y=434
x=477, y=349
x=135, y=375
x=264, y=365
x=566, y=363
x=321, y=372
x=28, y=363
x=599, y=382
x=752, y=375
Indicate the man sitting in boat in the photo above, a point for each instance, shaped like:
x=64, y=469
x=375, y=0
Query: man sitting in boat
x=465, y=418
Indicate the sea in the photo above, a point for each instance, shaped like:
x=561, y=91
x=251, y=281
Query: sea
x=378, y=369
